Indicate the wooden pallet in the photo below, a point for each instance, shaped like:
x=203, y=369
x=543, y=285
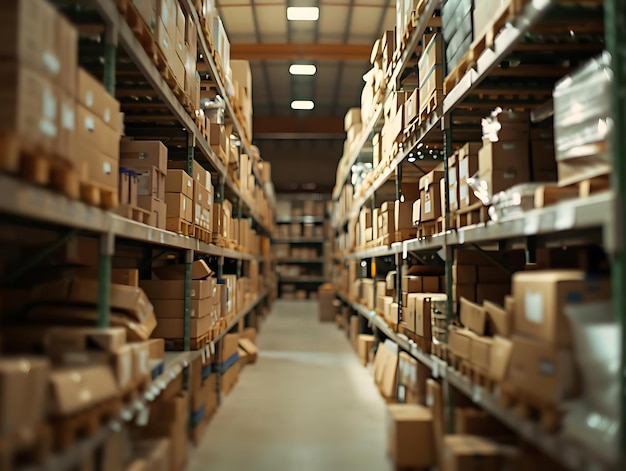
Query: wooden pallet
x=19, y=450
x=95, y=195
x=548, y=416
x=475, y=214
x=591, y=186
x=202, y=234
x=69, y=430
x=134, y=212
x=429, y=107
x=38, y=167
x=180, y=226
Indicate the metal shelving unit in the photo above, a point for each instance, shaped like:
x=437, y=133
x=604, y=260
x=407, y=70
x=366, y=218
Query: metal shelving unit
x=175, y=364
x=597, y=218
x=569, y=454
x=300, y=240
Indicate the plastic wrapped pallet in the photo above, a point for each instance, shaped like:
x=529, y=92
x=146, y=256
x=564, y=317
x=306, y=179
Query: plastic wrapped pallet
x=582, y=123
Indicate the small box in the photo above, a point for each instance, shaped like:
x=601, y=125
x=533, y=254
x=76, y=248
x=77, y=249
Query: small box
x=540, y=299
x=430, y=195
x=177, y=181
x=480, y=353
x=408, y=424
x=499, y=320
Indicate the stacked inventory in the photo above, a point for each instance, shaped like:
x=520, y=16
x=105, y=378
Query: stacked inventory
x=301, y=247
x=501, y=164
x=109, y=212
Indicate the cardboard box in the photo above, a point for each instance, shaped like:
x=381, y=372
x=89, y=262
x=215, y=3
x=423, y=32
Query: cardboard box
x=199, y=271
x=417, y=212
x=471, y=421
x=464, y=274
x=501, y=350
x=250, y=348
x=470, y=452
x=467, y=167
x=157, y=208
x=75, y=389
x=492, y=292
x=408, y=424
x=473, y=316
x=179, y=206
x=119, y=361
x=365, y=345
x=403, y=215
x=541, y=296
x=173, y=328
x=175, y=308
x=177, y=181
x=175, y=289
x=143, y=155
x=503, y=164
x=24, y=393
x=500, y=322
x=412, y=284
x=93, y=96
x=480, y=353
x=541, y=373
x=80, y=339
x=459, y=341
x=430, y=195
x=150, y=182
x=462, y=290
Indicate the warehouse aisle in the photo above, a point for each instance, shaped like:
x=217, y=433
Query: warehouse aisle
x=307, y=404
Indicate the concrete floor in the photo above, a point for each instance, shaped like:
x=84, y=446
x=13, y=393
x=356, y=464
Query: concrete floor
x=306, y=405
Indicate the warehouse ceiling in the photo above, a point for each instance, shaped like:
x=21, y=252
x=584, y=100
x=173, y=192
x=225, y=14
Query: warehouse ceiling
x=338, y=44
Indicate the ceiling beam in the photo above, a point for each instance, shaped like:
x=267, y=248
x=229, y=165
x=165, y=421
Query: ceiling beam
x=330, y=127
x=349, y=52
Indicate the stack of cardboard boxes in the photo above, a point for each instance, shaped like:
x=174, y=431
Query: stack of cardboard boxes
x=148, y=159
x=431, y=76
x=167, y=295
x=179, y=193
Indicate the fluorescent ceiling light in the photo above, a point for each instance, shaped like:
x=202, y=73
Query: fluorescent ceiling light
x=302, y=105
x=303, y=13
x=302, y=69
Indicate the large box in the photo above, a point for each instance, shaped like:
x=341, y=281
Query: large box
x=143, y=155
x=179, y=206
x=93, y=96
x=24, y=393
x=540, y=299
x=174, y=328
x=408, y=424
x=157, y=209
x=540, y=373
x=468, y=166
x=430, y=195
x=503, y=164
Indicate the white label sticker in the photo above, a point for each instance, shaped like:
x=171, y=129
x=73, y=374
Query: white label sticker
x=212, y=346
x=89, y=99
x=107, y=115
x=533, y=306
x=67, y=117
x=106, y=168
x=90, y=124
x=51, y=61
x=427, y=206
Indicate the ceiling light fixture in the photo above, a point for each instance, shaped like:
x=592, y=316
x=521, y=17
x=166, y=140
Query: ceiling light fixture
x=302, y=69
x=303, y=13
x=302, y=105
